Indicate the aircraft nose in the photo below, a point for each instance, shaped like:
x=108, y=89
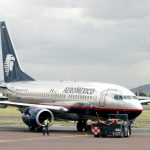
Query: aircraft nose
x=137, y=106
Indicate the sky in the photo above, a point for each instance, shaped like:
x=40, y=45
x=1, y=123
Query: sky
x=83, y=40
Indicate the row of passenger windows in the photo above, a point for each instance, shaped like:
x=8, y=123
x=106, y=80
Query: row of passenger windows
x=56, y=95
x=80, y=97
x=36, y=94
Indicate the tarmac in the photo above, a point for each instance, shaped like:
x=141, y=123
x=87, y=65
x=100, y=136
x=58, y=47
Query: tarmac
x=66, y=138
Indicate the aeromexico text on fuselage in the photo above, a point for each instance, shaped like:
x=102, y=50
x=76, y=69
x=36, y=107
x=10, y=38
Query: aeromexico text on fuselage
x=70, y=90
x=79, y=90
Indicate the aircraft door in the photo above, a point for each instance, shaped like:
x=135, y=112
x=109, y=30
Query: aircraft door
x=53, y=97
x=102, y=98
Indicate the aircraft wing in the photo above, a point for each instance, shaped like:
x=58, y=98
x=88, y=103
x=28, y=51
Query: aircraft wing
x=24, y=105
x=146, y=101
x=143, y=99
x=2, y=87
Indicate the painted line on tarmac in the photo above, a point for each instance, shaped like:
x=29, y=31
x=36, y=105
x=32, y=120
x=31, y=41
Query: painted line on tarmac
x=43, y=138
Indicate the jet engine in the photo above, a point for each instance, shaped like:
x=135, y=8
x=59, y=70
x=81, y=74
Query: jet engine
x=34, y=117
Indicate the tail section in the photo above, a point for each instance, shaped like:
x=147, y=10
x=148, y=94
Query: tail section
x=11, y=67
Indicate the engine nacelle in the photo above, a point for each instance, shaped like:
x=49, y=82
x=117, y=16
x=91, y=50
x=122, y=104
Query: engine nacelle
x=34, y=117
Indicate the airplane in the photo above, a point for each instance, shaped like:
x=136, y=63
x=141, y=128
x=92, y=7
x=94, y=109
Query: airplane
x=60, y=100
x=144, y=100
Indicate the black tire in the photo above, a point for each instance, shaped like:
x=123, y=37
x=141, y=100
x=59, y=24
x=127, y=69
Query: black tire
x=97, y=136
x=127, y=134
x=130, y=132
x=31, y=128
x=122, y=133
x=85, y=126
x=103, y=135
x=79, y=126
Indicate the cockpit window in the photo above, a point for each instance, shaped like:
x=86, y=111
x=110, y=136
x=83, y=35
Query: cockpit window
x=127, y=97
x=134, y=97
x=118, y=97
x=114, y=94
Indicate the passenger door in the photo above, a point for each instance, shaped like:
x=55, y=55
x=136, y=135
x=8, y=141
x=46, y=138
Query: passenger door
x=102, y=98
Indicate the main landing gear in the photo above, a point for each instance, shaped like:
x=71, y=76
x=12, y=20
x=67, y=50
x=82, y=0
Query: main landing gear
x=35, y=129
x=81, y=125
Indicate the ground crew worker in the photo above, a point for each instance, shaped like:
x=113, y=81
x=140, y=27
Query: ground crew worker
x=89, y=125
x=45, y=126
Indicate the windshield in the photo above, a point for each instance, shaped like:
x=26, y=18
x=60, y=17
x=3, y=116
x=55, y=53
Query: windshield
x=127, y=97
x=114, y=94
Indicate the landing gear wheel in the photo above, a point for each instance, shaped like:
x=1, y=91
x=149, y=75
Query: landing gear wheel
x=80, y=126
x=97, y=136
x=127, y=132
x=35, y=129
x=31, y=128
x=130, y=130
x=122, y=133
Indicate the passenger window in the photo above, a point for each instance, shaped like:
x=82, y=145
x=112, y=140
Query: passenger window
x=120, y=97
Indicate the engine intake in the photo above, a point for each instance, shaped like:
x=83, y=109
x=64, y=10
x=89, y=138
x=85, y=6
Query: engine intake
x=34, y=117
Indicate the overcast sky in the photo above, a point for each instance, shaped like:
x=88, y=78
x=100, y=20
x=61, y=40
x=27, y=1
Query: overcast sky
x=85, y=40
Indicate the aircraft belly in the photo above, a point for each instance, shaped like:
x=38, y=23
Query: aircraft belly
x=80, y=113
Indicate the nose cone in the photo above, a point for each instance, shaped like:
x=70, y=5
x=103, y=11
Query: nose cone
x=139, y=107
x=136, y=108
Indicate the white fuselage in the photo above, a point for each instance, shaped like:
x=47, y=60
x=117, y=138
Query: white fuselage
x=73, y=94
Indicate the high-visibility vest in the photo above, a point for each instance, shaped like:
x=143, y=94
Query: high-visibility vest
x=46, y=122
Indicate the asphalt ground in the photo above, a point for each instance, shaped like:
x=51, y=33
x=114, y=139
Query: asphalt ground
x=66, y=138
